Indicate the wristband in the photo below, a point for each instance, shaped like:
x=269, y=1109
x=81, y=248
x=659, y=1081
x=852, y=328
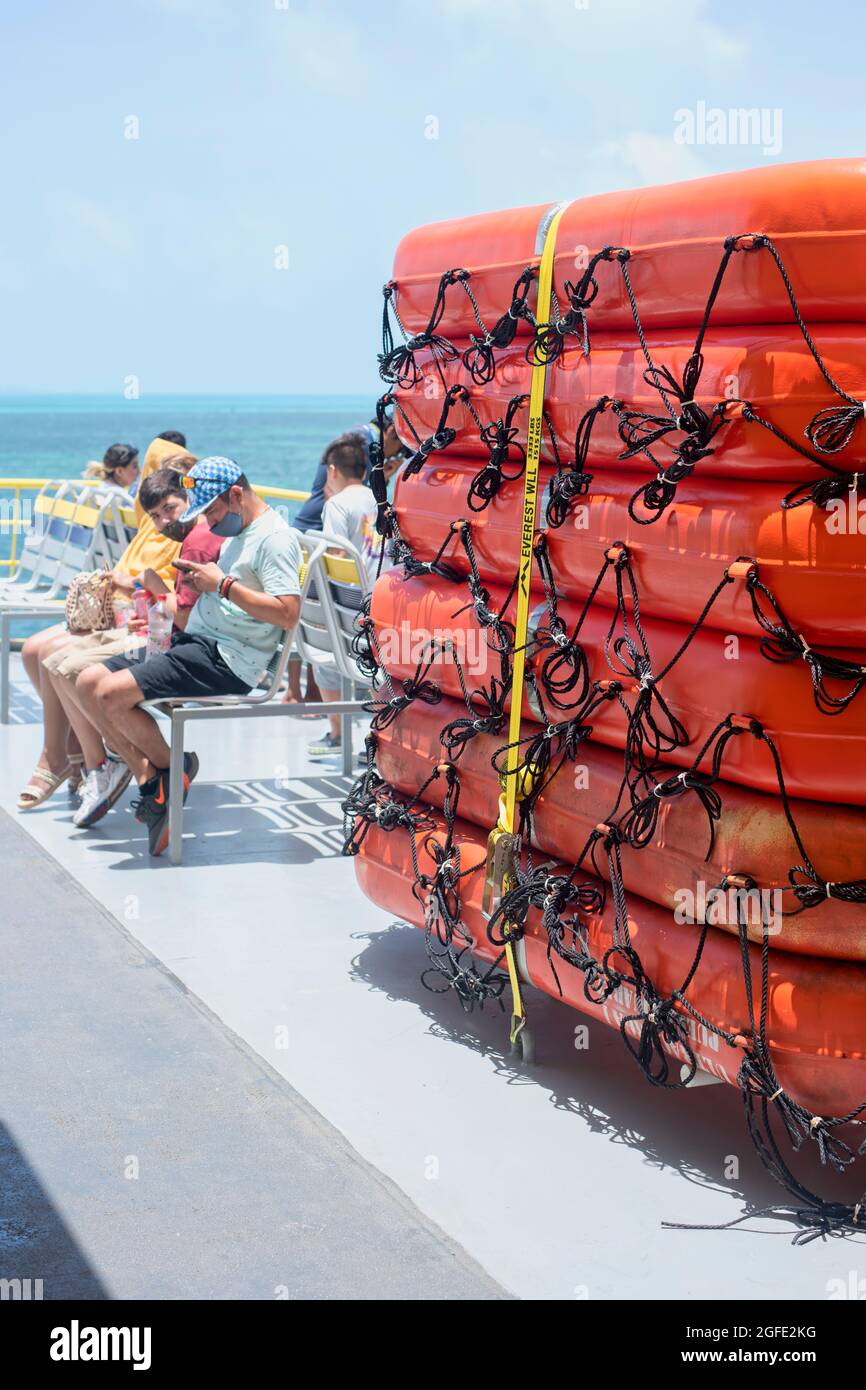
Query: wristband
x=225, y=585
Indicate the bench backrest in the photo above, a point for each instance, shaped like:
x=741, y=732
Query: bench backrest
x=75, y=528
x=334, y=597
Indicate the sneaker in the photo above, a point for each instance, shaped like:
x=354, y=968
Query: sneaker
x=101, y=789
x=151, y=809
x=190, y=772
x=321, y=747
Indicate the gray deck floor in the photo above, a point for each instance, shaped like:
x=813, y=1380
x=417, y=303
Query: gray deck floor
x=147, y=1152
x=259, y=963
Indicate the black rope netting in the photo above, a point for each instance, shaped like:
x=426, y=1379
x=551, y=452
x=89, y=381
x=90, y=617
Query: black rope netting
x=572, y=907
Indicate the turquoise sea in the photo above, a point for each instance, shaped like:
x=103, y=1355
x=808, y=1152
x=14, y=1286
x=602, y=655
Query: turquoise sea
x=277, y=439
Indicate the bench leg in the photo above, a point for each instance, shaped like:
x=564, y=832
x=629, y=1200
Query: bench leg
x=346, y=728
x=175, y=789
x=5, y=639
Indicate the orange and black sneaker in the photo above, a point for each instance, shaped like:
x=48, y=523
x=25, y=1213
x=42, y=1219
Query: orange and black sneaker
x=151, y=806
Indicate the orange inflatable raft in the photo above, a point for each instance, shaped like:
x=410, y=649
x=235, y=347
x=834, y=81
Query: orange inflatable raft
x=814, y=562
x=814, y=212
x=823, y=757
x=751, y=838
x=817, y=1008
x=770, y=367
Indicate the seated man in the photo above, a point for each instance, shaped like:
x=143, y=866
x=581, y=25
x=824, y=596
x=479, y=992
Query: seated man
x=249, y=600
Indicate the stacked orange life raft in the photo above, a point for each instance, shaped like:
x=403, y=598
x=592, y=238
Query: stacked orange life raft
x=691, y=739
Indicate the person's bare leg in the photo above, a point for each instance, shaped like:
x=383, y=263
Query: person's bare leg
x=84, y=693
x=86, y=733
x=293, y=694
x=111, y=700
x=55, y=724
x=59, y=743
x=313, y=693
x=36, y=648
x=334, y=719
x=55, y=748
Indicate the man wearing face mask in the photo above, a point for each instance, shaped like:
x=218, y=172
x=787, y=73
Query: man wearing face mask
x=248, y=601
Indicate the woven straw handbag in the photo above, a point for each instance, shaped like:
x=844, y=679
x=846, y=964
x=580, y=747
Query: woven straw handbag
x=89, y=606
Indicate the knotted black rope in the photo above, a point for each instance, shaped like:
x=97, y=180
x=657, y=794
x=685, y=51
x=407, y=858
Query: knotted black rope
x=825, y=491
x=549, y=339
x=541, y=756
x=575, y=481
x=397, y=364
x=499, y=437
x=781, y=644
x=385, y=515
x=416, y=687
x=639, y=431
x=373, y=802
x=443, y=435
x=478, y=359
x=565, y=669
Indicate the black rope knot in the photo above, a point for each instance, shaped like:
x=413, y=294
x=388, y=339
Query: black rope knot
x=811, y=890
x=478, y=358
x=499, y=437
x=832, y=429
x=397, y=363
x=565, y=486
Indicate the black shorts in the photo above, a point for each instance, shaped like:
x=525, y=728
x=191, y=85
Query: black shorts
x=191, y=667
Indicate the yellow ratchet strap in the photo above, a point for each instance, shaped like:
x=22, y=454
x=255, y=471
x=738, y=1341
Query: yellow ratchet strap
x=527, y=536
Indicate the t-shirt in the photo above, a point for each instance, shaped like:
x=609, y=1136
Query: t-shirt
x=266, y=556
x=150, y=549
x=201, y=546
x=351, y=515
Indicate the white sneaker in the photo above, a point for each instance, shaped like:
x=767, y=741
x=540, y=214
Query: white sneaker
x=101, y=788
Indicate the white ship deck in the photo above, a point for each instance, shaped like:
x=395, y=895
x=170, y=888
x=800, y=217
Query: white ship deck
x=305, y=1115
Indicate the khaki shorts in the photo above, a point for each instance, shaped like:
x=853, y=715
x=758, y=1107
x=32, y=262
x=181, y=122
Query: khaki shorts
x=89, y=649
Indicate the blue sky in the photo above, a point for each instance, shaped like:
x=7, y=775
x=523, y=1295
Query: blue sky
x=303, y=125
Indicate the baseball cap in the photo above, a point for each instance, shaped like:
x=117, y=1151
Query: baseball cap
x=207, y=480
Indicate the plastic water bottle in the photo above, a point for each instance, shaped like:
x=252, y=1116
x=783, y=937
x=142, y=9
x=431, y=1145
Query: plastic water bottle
x=140, y=601
x=124, y=612
x=158, y=630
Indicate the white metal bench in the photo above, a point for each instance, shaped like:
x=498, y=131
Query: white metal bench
x=75, y=530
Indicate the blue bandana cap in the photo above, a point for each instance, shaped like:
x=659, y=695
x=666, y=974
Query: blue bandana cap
x=207, y=480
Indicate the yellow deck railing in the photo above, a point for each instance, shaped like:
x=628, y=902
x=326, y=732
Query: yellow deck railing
x=16, y=515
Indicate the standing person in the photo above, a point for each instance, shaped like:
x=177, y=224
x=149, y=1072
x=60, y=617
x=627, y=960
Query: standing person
x=249, y=603
x=349, y=514
x=309, y=518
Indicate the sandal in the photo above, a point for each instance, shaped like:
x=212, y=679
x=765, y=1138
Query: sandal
x=44, y=783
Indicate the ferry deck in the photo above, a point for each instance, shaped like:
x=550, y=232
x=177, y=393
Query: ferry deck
x=225, y=1079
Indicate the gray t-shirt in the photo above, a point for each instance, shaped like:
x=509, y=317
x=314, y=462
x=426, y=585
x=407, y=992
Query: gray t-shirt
x=351, y=515
x=265, y=556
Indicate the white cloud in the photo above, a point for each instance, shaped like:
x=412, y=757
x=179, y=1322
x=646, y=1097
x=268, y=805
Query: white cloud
x=654, y=158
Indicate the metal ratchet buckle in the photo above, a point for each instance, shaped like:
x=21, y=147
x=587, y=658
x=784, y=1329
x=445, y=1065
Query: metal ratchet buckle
x=499, y=869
